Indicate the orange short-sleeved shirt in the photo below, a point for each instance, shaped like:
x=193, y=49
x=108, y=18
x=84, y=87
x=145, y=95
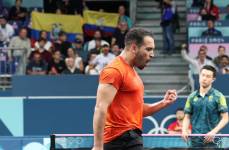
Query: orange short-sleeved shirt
x=126, y=110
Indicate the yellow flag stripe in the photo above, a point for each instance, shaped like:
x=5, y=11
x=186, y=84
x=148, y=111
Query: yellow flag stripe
x=68, y=23
x=101, y=18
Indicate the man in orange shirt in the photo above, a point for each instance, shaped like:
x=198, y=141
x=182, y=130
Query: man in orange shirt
x=120, y=107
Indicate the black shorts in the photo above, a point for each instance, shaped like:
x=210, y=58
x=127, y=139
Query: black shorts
x=129, y=140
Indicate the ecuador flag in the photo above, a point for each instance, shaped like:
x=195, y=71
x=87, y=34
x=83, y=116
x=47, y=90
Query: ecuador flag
x=54, y=23
x=107, y=22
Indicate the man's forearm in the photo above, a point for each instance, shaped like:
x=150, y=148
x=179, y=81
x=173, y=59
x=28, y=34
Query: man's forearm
x=223, y=122
x=149, y=109
x=186, y=123
x=98, y=126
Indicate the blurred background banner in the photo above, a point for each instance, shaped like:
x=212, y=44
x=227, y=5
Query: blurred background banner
x=54, y=23
x=107, y=22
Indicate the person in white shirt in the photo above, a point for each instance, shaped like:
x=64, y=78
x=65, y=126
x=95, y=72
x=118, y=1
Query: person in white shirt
x=104, y=58
x=48, y=44
x=20, y=50
x=6, y=31
x=90, y=68
x=92, y=44
x=71, y=53
x=199, y=62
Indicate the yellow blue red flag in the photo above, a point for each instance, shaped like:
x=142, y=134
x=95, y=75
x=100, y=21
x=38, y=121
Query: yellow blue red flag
x=54, y=23
x=107, y=22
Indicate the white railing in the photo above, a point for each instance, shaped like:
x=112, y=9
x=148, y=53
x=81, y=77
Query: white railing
x=11, y=63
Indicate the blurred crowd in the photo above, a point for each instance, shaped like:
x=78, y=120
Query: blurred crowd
x=47, y=55
x=209, y=12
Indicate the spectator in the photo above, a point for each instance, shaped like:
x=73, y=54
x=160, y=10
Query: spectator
x=78, y=46
x=198, y=3
x=92, y=44
x=45, y=54
x=210, y=11
x=20, y=50
x=37, y=66
x=221, y=51
x=67, y=7
x=116, y=50
x=211, y=31
x=123, y=17
x=48, y=44
x=98, y=48
x=20, y=42
x=104, y=58
x=119, y=35
x=70, y=67
x=168, y=13
x=57, y=65
x=62, y=44
x=176, y=126
x=199, y=62
x=6, y=31
x=17, y=12
x=224, y=64
x=90, y=68
x=3, y=10
x=205, y=48
x=227, y=15
x=71, y=53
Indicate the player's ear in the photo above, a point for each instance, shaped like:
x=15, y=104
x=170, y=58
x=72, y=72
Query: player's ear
x=134, y=48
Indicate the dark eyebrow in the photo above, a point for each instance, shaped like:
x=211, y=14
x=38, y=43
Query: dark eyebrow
x=149, y=48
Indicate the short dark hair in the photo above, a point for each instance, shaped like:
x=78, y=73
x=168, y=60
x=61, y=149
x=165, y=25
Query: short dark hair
x=137, y=35
x=23, y=28
x=221, y=46
x=213, y=21
x=3, y=17
x=225, y=56
x=61, y=33
x=41, y=39
x=210, y=68
x=57, y=51
x=79, y=41
x=42, y=32
x=179, y=109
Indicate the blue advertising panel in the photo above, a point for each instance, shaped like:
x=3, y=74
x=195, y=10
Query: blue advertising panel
x=48, y=116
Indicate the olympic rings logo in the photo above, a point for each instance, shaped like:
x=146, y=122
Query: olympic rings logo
x=159, y=128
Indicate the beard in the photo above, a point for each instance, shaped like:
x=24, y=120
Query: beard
x=141, y=67
x=139, y=62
